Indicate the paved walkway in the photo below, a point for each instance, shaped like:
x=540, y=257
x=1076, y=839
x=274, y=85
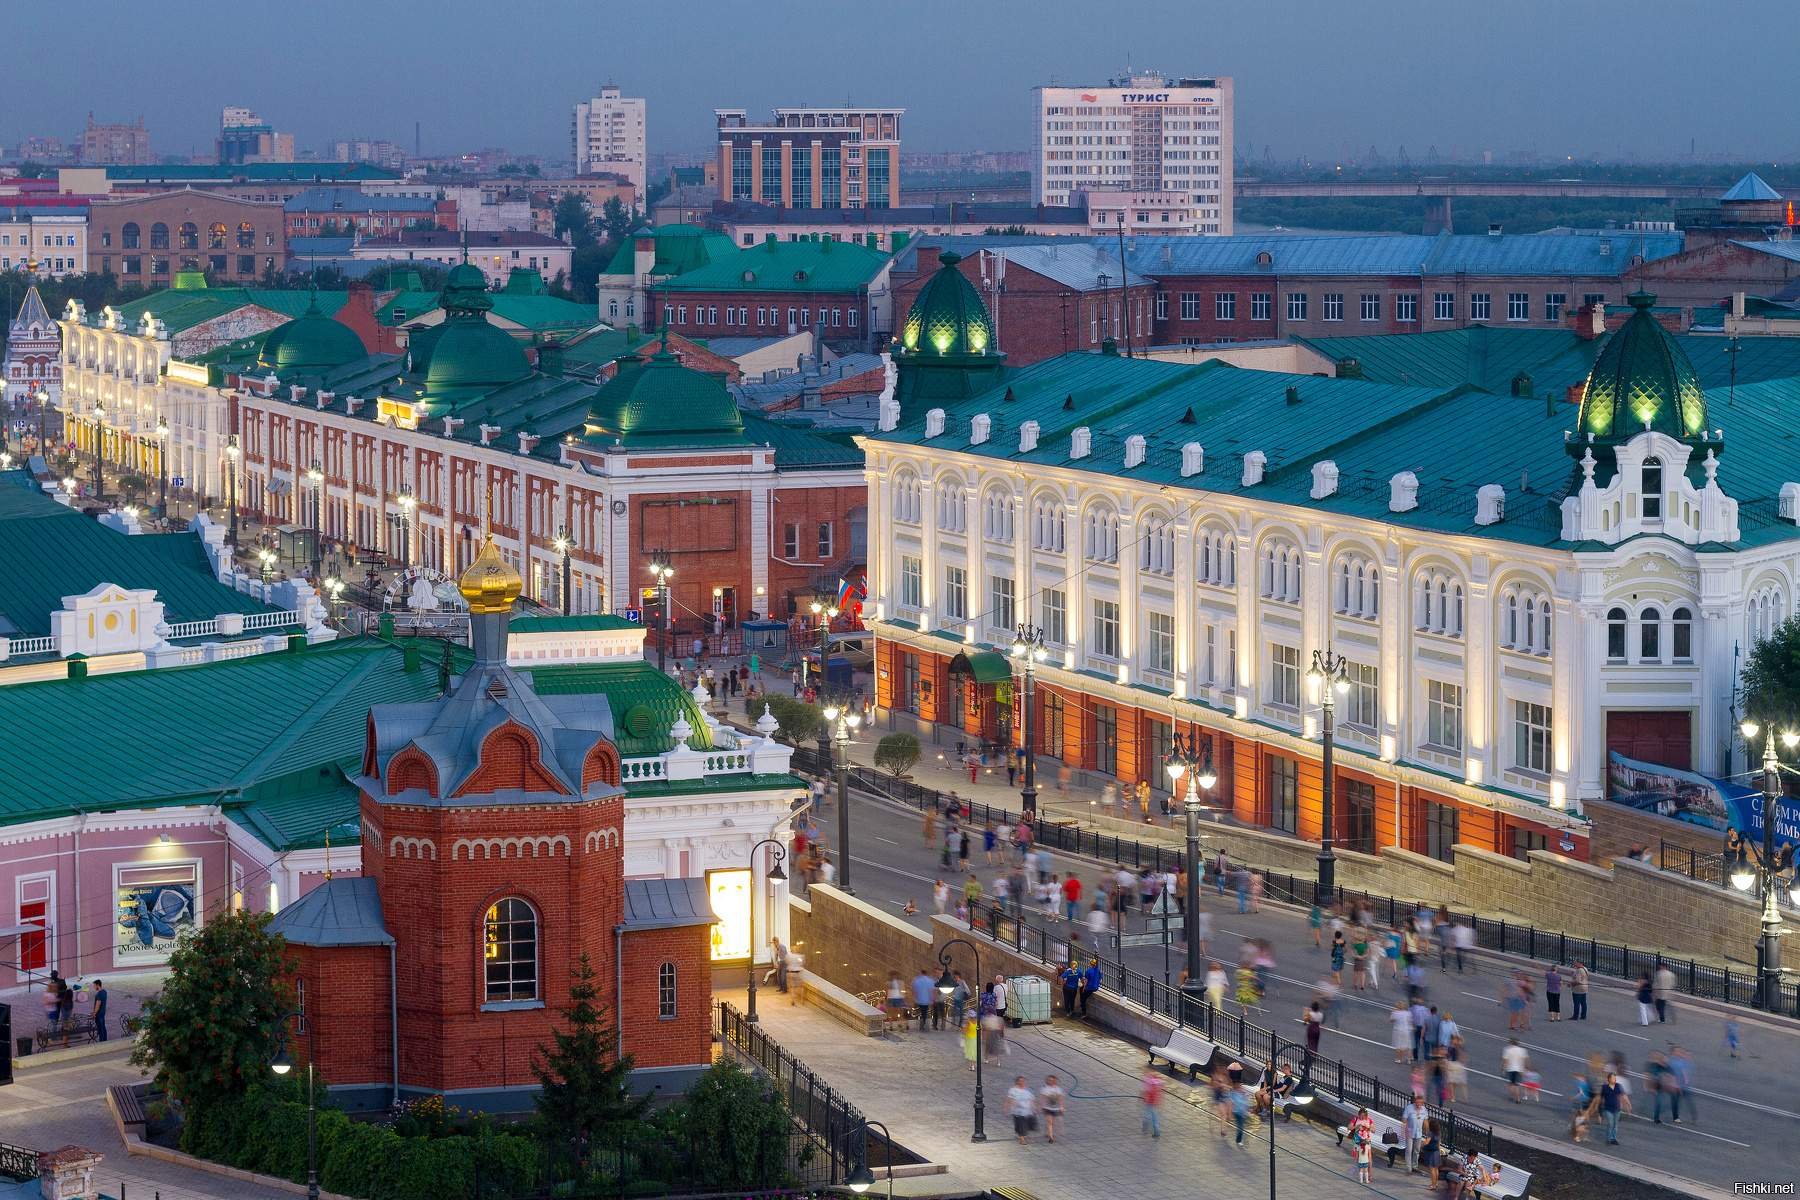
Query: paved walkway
x=918, y=1084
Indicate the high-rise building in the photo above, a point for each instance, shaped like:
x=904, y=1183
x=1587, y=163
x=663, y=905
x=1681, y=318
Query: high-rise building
x=608, y=136
x=245, y=137
x=116, y=145
x=1141, y=133
x=812, y=157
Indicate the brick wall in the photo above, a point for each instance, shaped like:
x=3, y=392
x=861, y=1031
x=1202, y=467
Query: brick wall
x=344, y=993
x=1618, y=828
x=854, y=945
x=652, y=1039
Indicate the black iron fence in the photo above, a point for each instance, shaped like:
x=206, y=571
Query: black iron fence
x=1707, y=868
x=1231, y=1031
x=16, y=1162
x=835, y=1131
x=1507, y=937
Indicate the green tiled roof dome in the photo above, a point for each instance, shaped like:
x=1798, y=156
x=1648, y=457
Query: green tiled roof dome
x=466, y=354
x=948, y=317
x=1641, y=380
x=309, y=343
x=660, y=401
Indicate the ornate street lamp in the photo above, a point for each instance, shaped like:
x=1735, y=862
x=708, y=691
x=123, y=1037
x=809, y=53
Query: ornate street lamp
x=825, y=614
x=845, y=722
x=1190, y=761
x=775, y=875
x=1327, y=673
x=862, y=1179
x=947, y=985
x=562, y=544
x=99, y=450
x=663, y=570
x=1028, y=650
x=407, y=502
x=265, y=558
x=232, y=451
x=334, y=595
x=316, y=476
x=162, y=466
x=1770, y=863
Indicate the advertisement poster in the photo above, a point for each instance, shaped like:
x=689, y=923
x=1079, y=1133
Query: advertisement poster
x=1687, y=796
x=155, y=906
x=730, y=892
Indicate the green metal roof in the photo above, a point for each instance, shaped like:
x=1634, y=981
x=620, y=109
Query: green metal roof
x=798, y=445
x=184, y=308
x=1642, y=381
x=536, y=313
x=644, y=701
x=987, y=666
x=948, y=316
x=310, y=342
x=679, y=249
x=659, y=402
x=571, y=623
x=773, y=266
x=52, y=551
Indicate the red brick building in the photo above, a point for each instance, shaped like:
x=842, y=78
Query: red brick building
x=493, y=863
x=778, y=288
x=146, y=240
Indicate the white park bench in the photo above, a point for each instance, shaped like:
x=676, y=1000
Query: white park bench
x=1184, y=1050
x=1512, y=1184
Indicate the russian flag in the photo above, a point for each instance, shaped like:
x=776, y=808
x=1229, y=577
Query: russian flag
x=848, y=591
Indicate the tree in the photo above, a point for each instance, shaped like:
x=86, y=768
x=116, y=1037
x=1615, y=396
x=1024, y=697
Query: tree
x=796, y=721
x=616, y=221
x=1772, y=676
x=896, y=753
x=584, y=271
x=574, y=219
x=586, y=1083
x=36, y=170
x=734, y=1130
x=212, y=1030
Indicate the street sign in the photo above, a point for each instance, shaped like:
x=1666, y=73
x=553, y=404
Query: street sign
x=634, y=614
x=178, y=481
x=1156, y=938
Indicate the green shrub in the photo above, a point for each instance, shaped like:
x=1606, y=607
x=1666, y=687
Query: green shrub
x=797, y=721
x=734, y=1130
x=897, y=753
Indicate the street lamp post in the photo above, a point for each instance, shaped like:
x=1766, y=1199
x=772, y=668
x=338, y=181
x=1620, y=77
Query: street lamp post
x=232, y=450
x=1187, y=760
x=663, y=570
x=43, y=402
x=407, y=502
x=562, y=544
x=946, y=985
x=316, y=476
x=1770, y=863
x=775, y=875
x=826, y=614
x=99, y=450
x=845, y=722
x=1302, y=1095
x=334, y=595
x=1028, y=649
x=265, y=557
x=1328, y=674
x=281, y=1064
x=862, y=1179
x=162, y=466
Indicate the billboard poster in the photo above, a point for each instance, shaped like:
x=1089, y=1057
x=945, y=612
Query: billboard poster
x=1689, y=796
x=155, y=906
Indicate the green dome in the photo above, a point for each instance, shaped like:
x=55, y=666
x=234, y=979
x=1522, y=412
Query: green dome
x=948, y=317
x=1641, y=381
x=659, y=401
x=310, y=343
x=466, y=354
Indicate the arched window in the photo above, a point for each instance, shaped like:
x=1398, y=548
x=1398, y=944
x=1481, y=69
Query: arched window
x=246, y=236
x=1281, y=571
x=510, y=951
x=1653, y=487
x=215, y=236
x=906, y=498
x=1438, y=603
x=665, y=992
x=1650, y=635
x=159, y=236
x=190, y=236
x=1681, y=635
x=1156, y=549
x=1101, y=535
x=1615, y=635
x=1543, y=607
x=951, y=515
x=1218, y=557
x=129, y=235
x=1049, y=531
x=997, y=516
x=1356, y=586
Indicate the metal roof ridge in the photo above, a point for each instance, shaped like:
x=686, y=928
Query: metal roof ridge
x=353, y=674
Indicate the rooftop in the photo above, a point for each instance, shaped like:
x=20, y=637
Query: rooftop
x=775, y=266
x=1751, y=187
x=252, y=172
x=184, y=308
x=354, y=200
x=679, y=248
x=473, y=239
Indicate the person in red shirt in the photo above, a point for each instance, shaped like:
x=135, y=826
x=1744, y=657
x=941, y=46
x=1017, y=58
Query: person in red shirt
x=1071, y=892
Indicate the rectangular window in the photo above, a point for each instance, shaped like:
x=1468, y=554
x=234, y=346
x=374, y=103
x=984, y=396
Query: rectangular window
x=1406, y=308
x=1296, y=306
x=1000, y=601
x=1159, y=648
x=790, y=542
x=1358, y=830
x=1260, y=305
x=1225, y=306
x=1334, y=306
x=906, y=693
x=1162, y=306
x=1055, y=605
x=1443, y=306
x=1481, y=306
x=825, y=540
x=1361, y=703
x=1106, y=628
x=1518, y=306
x=1593, y=299
x=956, y=593
x=1371, y=306
x=1190, y=306
x=1441, y=831
x=1284, y=793
x=912, y=591
x=1284, y=675
x=1159, y=744
x=1051, y=724
x=1524, y=841
x=1106, y=739
x=1443, y=716
x=1553, y=305
x=1531, y=737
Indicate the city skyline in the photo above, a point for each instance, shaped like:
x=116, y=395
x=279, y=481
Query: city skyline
x=1584, y=88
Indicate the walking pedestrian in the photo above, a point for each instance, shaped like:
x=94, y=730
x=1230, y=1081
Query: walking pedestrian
x=1613, y=1102
x=1240, y=1115
x=1401, y=1031
x=1314, y=1017
x=971, y=1039
x=1681, y=1076
x=1216, y=981
x=940, y=896
x=1315, y=920
x=1051, y=1098
x=959, y=998
x=1578, y=991
x=1553, y=991
x=1220, y=865
x=1656, y=1082
x=1431, y=1154
x=1150, y=1091
x=1203, y=925
x=1731, y=1036
x=1513, y=1061
x=925, y=996
x=1071, y=894
x=1646, y=993
x=1021, y=1105
x=1662, y=989
x=1338, y=948
x=1242, y=883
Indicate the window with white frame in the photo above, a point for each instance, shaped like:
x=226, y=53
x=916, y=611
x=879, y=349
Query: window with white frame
x=1296, y=306
x=1156, y=548
x=1406, y=308
x=1190, y=306
x=1261, y=303
x=1284, y=675
x=956, y=593
x=790, y=541
x=1162, y=306
x=1048, y=526
x=912, y=582
x=1531, y=737
x=1481, y=306
x=1652, y=479
x=1356, y=586
x=1443, y=306
x=1100, y=534
x=1225, y=306
x=825, y=540
x=1106, y=628
x=1443, y=716
x=951, y=518
x=1217, y=557
x=1616, y=633
x=1766, y=610
x=906, y=498
x=665, y=992
x=1525, y=620
x=1000, y=601
x=1159, y=642
x=1553, y=305
x=997, y=516
x=1518, y=306
x=1053, y=609
x=1681, y=635
x=1438, y=603
x=1333, y=306
x=1361, y=705
x=1371, y=306
x=509, y=956
x=1280, y=571
x=1650, y=635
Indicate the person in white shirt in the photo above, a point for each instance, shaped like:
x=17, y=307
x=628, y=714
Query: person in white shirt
x=1402, y=1028
x=1513, y=1062
x=940, y=895
x=1021, y=1105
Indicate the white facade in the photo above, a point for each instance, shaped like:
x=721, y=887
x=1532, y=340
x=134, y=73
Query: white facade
x=1145, y=133
x=607, y=136
x=50, y=242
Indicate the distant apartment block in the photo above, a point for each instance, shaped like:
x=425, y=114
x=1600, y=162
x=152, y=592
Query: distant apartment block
x=125, y=145
x=811, y=157
x=607, y=135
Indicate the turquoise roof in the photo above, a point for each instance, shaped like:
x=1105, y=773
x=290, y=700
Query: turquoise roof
x=310, y=342
x=1641, y=380
x=1603, y=253
x=1751, y=187
x=532, y=312
x=659, y=402
x=183, y=308
x=679, y=248
x=52, y=551
x=772, y=266
x=948, y=317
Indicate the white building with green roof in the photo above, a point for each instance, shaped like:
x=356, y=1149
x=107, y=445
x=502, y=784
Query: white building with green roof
x=1519, y=586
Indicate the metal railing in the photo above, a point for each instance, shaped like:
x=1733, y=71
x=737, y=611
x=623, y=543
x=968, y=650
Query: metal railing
x=1610, y=959
x=16, y=1162
x=1233, y=1031
x=1704, y=867
x=835, y=1125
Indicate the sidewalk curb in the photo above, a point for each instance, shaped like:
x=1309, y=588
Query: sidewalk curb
x=55, y=1058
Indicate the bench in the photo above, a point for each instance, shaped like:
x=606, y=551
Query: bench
x=128, y=1104
x=1513, y=1184
x=1384, y=1124
x=1184, y=1049
x=75, y=1029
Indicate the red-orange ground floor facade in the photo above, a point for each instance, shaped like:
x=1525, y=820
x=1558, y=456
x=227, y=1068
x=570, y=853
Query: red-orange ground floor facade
x=1259, y=783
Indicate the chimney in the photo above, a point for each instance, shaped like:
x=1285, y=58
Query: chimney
x=1591, y=322
x=550, y=358
x=1737, y=304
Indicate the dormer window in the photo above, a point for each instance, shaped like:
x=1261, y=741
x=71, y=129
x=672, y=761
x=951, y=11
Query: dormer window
x=1652, y=488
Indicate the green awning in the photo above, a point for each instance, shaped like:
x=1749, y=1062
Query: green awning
x=987, y=666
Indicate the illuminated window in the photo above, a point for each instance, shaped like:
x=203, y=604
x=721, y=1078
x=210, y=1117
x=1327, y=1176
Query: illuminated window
x=510, y=951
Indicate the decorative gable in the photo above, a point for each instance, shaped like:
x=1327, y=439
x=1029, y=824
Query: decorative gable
x=980, y=426
x=1193, y=459
x=1134, y=450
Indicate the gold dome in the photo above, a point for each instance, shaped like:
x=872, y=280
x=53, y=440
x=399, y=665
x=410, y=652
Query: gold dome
x=490, y=585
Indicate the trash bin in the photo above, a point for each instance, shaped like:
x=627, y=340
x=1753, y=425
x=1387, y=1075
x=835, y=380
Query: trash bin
x=22, y=1047
x=1028, y=1000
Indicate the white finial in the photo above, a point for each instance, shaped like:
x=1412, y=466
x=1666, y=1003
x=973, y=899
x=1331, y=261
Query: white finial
x=681, y=731
x=1712, y=468
x=1587, y=467
x=767, y=724
x=701, y=696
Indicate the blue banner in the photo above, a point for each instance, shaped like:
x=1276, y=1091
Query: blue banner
x=1699, y=799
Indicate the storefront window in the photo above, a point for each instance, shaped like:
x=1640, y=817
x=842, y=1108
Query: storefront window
x=1284, y=793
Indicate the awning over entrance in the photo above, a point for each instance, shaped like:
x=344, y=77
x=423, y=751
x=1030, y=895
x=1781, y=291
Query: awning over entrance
x=987, y=666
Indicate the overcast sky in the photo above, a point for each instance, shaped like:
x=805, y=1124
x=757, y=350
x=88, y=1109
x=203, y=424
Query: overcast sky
x=1325, y=78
